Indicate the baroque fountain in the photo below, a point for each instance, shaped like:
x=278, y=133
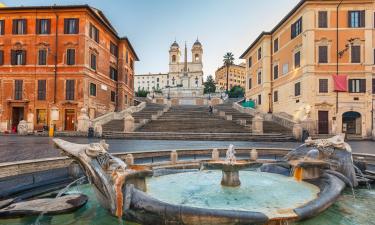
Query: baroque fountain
x=306, y=182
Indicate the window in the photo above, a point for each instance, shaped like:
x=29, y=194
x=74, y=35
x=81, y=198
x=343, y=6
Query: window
x=1, y=57
x=19, y=26
x=18, y=89
x=173, y=58
x=127, y=57
x=132, y=64
x=322, y=19
x=41, y=116
x=93, y=61
x=94, y=33
x=113, y=96
x=276, y=72
x=126, y=76
x=373, y=86
x=285, y=68
x=43, y=26
x=70, y=56
x=276, y=45
x=113, y=49
x=275, y=96
x=259, y=99
x=356, y=54
x=259, y=77
x=18, y=57
x=357, y=85
x=250, y=83
x=69, y=94
x=296, y=28
x=297, y=89
x=323, y=85
x=297, y=59
x=356, y=19
x=259, y=53
x=2, y=27
x=126, y=98
x=71, y=26
x=92, y=89
x=196, y=57
x=323, y=54
x=42, y=57
x=113, y=73
x=41, y=90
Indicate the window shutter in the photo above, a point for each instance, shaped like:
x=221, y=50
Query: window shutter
x=76, y=26
x=2, y=24
x=49, y=26
x=90, y=31
x=362, y=86
x=37, y=26
x=24, y=26
x=14, y=27
x=1, y=57
x=350, y=85
x=293, y=30
x=349, y=19
x=362, y=18
x=23, y=57
x=66, y=26
x=356, y=54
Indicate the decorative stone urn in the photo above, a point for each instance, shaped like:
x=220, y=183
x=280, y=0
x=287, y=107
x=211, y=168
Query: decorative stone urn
x=22, y=128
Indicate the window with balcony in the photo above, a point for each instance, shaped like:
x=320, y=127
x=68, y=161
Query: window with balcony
x=71, y=26
x=19, y=26
x=43, y=26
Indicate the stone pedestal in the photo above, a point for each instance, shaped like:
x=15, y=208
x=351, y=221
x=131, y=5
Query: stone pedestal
x=214, y=110
x=215, y=154
x=297, y=132
x=309, y=125
x=83, y=121
x=22, y=128
x=253, y=154
x=257, y=124
x=228, y=117
x=98, y=130
x=231, y=177
x=30, y=122
x=129, y=160
x=128, y=123
x=174, y=157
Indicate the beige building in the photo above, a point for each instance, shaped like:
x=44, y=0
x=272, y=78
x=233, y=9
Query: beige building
x=290, y=69
x=149, y=82
x=236, y=76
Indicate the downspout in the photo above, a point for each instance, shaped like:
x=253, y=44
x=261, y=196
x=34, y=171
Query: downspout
x=56, y=51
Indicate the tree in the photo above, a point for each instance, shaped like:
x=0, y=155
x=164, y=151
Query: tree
x=141, y=93
x=236, y=92
x=228, y=61
x=209, y=85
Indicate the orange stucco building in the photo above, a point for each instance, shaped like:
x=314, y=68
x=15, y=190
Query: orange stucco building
x=69, y=57
x=290, y=69
x=236, y=76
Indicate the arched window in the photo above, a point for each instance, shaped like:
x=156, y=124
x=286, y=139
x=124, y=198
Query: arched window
x=196, y=57
x=174, y=58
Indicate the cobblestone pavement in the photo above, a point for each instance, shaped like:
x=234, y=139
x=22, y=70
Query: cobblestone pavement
x=15, y=148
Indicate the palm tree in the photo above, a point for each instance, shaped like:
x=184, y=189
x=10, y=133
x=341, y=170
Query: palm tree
x=228, y=61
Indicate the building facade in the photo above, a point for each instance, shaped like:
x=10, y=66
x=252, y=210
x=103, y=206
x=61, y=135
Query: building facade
x=185, y=74
x=69, y=57
x=236, y=76
x=290, y=69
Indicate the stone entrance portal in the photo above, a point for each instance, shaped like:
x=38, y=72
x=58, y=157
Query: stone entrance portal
x=70, y=118
x=323, y=127
x=351, y=123
x=17, y=116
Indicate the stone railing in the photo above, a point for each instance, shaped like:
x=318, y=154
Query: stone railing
x=117, y=115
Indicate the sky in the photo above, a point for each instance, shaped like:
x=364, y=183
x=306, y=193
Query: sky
x=152, y=26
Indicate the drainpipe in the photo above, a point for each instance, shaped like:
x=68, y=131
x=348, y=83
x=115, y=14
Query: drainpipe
x=337, y=53
x=56, y=51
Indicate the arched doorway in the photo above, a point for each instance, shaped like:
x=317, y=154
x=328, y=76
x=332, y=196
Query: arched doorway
x=352, y=123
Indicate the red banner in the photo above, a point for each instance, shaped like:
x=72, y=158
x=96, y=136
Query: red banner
x=340, y=83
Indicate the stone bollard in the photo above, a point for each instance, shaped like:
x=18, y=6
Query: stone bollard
x=297, y=131
x=254, y=154
x=214, y=110
x=83, y=121
x=22, y=128
x=257, y=124
x=129, y=159
x=222, y=113
x=215, y=154
x=228, y=117
x=98, y=130
x=174, y=157
x=128, y=123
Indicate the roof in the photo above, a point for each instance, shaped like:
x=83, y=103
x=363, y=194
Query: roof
x=240, y=65
x=98, y=14
x=151, y=74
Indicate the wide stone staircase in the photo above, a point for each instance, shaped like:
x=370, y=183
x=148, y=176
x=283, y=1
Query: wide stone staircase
x=117, y=126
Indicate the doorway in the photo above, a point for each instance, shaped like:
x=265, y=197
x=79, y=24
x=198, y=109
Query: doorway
x=351, y=123
x=70, y=118
x=323, y=123
x=17, y=116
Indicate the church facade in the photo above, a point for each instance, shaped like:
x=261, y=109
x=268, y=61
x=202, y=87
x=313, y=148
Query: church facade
x=186, y=74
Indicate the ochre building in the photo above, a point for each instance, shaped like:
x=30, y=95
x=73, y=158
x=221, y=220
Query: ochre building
x=290, y=69
x=236, y=76
x=69, y=57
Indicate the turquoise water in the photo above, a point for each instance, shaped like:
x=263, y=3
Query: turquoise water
x=346, y=211
x=268, y=193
